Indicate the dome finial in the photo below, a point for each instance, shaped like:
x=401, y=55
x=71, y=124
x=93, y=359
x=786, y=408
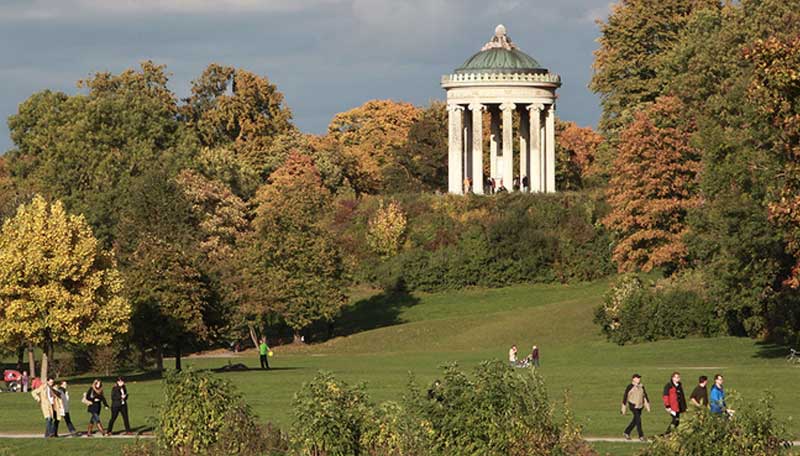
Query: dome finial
x=500, y=40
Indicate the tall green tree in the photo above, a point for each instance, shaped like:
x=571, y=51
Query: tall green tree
x=626, y=65
x=295, y=267
x=730, y=234
x=84, y=149
x=159, y=246
x=57, y=285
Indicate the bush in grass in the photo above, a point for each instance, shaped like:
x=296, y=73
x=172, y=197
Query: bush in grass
x=752, y=431
x=204, y=415
x=675, y=308
x=329, y=417
x=392, y=431
x=497, y=411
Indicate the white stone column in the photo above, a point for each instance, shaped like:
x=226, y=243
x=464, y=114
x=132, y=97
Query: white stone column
x=524, y=140
x=507, y=170
x=494, y=141
x=454, y=176
x=466, y=153
x=477, y=147
x=535, y=125
x=550, y=150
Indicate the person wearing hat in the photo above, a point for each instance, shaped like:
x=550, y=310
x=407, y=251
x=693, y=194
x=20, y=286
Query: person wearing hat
x=119, y=405
x=635, y=399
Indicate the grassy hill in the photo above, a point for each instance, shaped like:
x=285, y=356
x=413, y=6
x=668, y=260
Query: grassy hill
x=385, y=337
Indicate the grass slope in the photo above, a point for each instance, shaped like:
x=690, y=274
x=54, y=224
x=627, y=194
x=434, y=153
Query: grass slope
x=392, y=335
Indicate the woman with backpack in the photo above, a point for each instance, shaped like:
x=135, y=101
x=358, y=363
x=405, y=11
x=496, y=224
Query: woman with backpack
x=94, y=398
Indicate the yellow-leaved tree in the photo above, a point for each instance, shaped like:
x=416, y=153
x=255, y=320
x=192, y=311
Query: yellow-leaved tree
x=57, y=285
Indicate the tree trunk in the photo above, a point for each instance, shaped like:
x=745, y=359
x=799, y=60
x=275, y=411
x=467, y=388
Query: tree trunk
x=298, y=338
x=253, y=334
x=177, y=356
x=20, y=357
x=160, y=358
x=47, y=354
x=31, y=362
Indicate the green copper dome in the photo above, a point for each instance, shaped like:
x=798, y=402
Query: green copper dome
x=500, y=55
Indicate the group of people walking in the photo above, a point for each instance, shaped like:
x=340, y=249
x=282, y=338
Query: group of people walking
x=636, y=400
x=531, y=360
x=54, y=401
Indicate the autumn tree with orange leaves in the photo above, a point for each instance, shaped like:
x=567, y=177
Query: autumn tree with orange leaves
x=576, y=149
x=654, y=186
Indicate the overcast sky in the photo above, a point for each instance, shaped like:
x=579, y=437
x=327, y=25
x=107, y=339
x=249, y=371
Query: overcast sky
x=326, y=56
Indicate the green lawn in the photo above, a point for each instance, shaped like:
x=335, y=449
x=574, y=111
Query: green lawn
x=391, y=336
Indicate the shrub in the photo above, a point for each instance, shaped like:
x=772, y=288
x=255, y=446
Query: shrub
x=753, y=431
x=392, y=431
x=454, y=242
x=497, y=411
x=329, y=417
x=204, y=415
x=386, y=230
x=673, y=308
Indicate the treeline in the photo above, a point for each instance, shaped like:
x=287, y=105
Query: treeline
x=700, y=114
x=213, y=217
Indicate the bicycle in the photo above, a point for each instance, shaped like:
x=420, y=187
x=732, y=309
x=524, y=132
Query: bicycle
x=793, y=357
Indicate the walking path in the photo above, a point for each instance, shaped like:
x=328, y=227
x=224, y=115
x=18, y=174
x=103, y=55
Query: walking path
x=150, y=436
x=796, y=443
x=67, y=436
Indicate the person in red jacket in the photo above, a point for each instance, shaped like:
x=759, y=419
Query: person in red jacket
x=674, y=400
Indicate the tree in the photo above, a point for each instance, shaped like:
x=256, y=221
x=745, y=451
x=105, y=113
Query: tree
x=371, y=134
x=159, y=245
x=84, y=149
x=776, y=88
x=167, y=291
x=295, y=267
x=744, y=164
x=576, y=150
x=57, y=285
x=235, y=108
x=422, y=160
x=626, y=65
x=654, y=186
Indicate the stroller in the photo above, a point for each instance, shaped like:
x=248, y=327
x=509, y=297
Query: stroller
x=13, y=379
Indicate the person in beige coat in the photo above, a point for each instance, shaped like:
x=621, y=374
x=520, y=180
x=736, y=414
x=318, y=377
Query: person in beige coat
x=50, y=402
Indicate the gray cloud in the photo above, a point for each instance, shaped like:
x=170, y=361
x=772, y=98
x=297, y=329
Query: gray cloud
x=325, y=55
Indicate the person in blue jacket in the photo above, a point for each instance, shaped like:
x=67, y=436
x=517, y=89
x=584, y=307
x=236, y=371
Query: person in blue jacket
x=717, y=399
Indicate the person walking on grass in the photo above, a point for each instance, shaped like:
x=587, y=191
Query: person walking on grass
x=46, y=398
x=119, y=405
x=64, y=395
x=635, y=399
x=699, y=397
x=94, y=399
x=674, y=400
x=535, y=356
x=718, y=405
x=263, y=352
x=25, y=381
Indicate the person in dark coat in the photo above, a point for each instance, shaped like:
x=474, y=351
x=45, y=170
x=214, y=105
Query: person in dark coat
x=674, y=400
x=93, y=399
x=119, y=405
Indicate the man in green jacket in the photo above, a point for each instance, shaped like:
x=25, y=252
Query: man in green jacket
x=263, y=350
